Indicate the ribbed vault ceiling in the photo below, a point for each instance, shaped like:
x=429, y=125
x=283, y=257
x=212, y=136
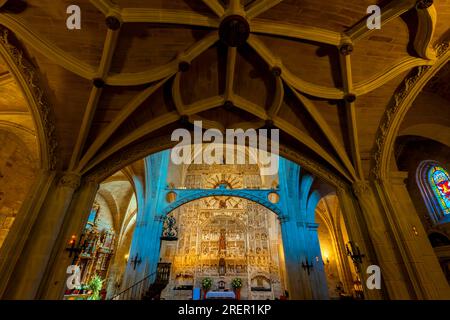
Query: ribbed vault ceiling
x=309, y=68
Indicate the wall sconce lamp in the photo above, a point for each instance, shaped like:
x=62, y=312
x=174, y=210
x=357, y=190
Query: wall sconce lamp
x=355, y=254
x=325, y=258
x=307, y=266
x=136, y=261
x=75, y=250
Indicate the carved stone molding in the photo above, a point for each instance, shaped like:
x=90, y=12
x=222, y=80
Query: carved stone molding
x=398, y=106
x=346, y=49
x=113, y=23
x=350, y=97
x=96, y=206
x=283, y=218
x=129, y=155
x=256, y=195
x=442, y=48
x=427, y=19
x=312, y=226
x=137, y=152
x=70, y=180
x=98, y=83
x=312, y=166
x=183, y=66
x=276, y=71
x=424, y=4
x=361, y=188
x=29, y=75
x=390, y=114
x=170, y=228
x=234, y=30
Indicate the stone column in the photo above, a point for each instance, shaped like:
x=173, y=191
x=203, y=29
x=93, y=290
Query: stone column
x=154, y=244
x=298, y=284
x=146, y=238
x=119, y=263
x=46, y=209
x=136, y=273
x=344, y=264
x=390, y=261
x=115, y=270
x=317, y=275
x=54, y=283
x=422, y=266
x=358, y=232
x=146, y=243
x=26, y=217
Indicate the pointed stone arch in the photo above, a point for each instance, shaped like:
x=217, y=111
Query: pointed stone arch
x=396, y=112
x=188, y=195
x=27, y=79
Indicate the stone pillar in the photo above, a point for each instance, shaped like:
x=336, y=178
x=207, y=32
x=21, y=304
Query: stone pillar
x=153, y=247
x=317, y=276
x=298, y=284
x=146, y=238
x=118, y=265
x=17, y=237
x=293, y=200
x=136, y=273
x=344, y=264
x=146, y=243
x=46, y=209
x=358, y=232
x=393, y=271
x=422, y=266
x=54, y=284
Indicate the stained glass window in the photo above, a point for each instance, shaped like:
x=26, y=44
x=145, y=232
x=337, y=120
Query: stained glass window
x=93, y=214
x=440, y=184
x=433, y=181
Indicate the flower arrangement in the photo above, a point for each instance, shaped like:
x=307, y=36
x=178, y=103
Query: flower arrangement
x=95, y=285
x=236, y=283
x=206, y=283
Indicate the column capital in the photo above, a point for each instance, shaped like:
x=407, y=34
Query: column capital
x=394, y=178
x=361, y=187
x=141, y=224
x=70, y=180
x=307, y=225
x=311, y=225
x=283, y=218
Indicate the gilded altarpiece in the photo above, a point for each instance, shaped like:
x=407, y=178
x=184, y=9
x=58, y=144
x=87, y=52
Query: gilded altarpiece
x=223, y=238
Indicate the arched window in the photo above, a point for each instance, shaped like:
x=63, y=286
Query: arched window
x=440, y=183
x=434, y=183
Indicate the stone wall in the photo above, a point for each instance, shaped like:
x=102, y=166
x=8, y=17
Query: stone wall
x=18, y=167
x=411, y=152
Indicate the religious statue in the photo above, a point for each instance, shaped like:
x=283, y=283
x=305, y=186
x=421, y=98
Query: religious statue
x=222, y=240
x=170, y=229
x=222, y=267
x=222, y=204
